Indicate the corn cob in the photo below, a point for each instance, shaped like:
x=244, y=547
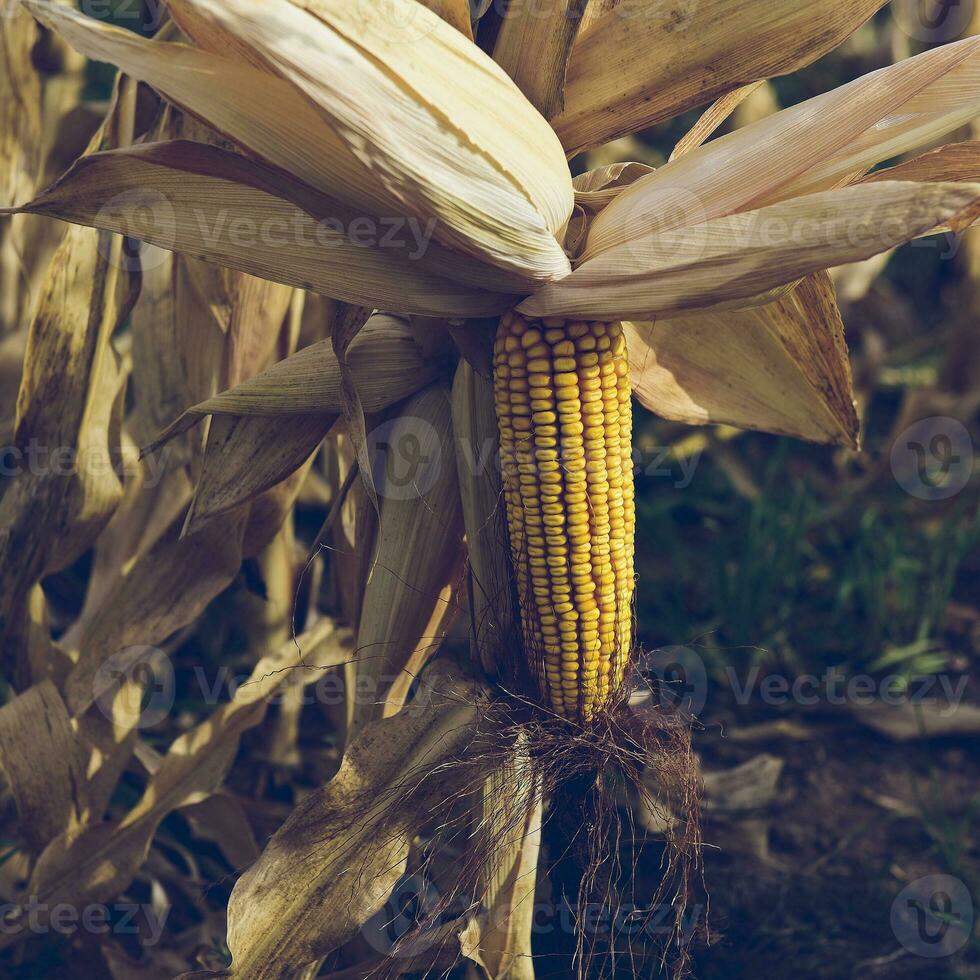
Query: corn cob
x=562, y=396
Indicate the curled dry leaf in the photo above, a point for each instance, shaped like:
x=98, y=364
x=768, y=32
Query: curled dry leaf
x=42, y=762
x=246, y=455
x=333, y=863
x=385, y=362
x=786, y=363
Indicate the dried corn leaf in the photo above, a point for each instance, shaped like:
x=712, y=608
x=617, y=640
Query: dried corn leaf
x=333, y=863
x=743, y=255
x=597, y=188
x=642, y=63
x=386, y=363
x=441, y=126
x=246, y=455
x=810, y=147
x=20, y=104
x=785, y=367
x=460, y=156
x=510, y=821
x=347, y=324
x=221, y=207
x=492, y=600
x=712, y=118
x=953, y=162
x=66, y=408
x=258, y=310
x=411, y=592
x=455, y=12
x=533, y=47
x=94, y=863
x=42, y=762
x=167, y=587
x=20, y=153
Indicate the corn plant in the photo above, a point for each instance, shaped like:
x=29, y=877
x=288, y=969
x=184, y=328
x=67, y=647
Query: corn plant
x=360, y=216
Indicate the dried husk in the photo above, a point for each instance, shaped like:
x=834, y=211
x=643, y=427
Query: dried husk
x=785, y=364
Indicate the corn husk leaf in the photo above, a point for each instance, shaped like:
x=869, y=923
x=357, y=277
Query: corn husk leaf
x=784, y=367
x=640, y=63
x=220, y=207
x=435, y=129
x=713, y=117
x=492, y=601
x=743, y=255
x=596, y=188
x=386, y=365
x=813, y=146
x=413, y=583
x=334, y=862
x=533, y=47
x=510, y=820
x=93, y=863
x=246, y=455
x=953, y=162
x=441, y=124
